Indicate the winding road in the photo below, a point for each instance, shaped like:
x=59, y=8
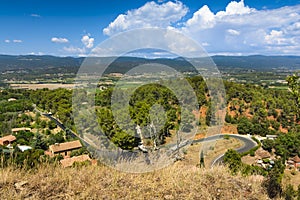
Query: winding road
x=248, y=144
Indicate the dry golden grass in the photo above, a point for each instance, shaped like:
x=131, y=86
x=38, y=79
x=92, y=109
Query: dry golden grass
x=35, y=86
x=100, y=182
x=291, y=177
x=192, y=156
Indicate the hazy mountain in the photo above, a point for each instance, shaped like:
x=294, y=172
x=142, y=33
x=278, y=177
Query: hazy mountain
x=32, y=62
x=258, y=62
x=71, y=64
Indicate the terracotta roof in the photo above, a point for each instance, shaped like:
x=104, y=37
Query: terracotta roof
x=296, y=159
x=67, y=162
x=262, y=153
x=66, y=146
x=9, y=138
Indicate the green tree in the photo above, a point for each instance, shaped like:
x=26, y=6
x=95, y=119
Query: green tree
x=51, y=125
x=39, y=142
x=268, y=145
x=245, y=126
x=294, y=87
x=274, y=178
x=233, y=159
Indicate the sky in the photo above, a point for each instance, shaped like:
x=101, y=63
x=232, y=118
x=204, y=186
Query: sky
x=74, y=28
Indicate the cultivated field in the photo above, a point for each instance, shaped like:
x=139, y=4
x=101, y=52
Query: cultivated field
x=35, y=86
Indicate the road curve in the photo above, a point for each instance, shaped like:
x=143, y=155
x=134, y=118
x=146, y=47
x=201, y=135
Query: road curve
x=248, y=144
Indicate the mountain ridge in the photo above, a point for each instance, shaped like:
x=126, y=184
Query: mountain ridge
x=257, y=62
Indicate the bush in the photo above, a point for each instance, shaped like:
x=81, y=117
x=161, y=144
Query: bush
x=252, y=153
x=290, y=193
x=226, y=137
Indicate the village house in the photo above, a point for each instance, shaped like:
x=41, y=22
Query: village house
x=64, y=149
x=262, y=154
x=296, y=160
x=6, y=140
x=261, y=157
x=293, y=163
x=271, y=137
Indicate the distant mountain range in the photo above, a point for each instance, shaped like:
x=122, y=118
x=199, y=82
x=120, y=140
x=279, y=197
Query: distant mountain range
x=71, y=64
x=258, y=62
x=32, y=62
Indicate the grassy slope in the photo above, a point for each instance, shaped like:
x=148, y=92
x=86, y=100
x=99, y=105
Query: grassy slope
x=99, y=182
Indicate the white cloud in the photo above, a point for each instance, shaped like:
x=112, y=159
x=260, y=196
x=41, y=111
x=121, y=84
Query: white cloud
x=238, y=29
x=59, y=40
x=241, y=29
x=279, y=38
x=275, y=37
x=205, y=44
x=87, y=44
x=149, y=15
x=17, y=41
x=202, y=19
x=87, y=41
x=233, y=32
x=37, y=53
x=35, y=15
x=74, y=50
x=14, y=41
x=236, y=8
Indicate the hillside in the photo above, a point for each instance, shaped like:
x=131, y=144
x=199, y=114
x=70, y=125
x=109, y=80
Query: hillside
x=251, y=110
x=100, y=182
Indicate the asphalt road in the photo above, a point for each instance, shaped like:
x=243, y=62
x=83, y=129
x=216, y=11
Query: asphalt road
x=68, y=131
x=248, y=144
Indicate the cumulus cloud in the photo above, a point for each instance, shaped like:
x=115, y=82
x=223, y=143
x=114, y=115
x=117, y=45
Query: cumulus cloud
x=241, y=29
x=238, y=29
x=202, y=19
x=149, y=15
x=87, y=41
x=59, y=40
x=7, y=41
x=236, y=8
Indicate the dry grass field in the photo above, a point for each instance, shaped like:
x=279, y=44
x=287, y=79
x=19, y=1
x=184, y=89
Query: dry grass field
x=219, y=147
x=178, y=181
x=35, y=86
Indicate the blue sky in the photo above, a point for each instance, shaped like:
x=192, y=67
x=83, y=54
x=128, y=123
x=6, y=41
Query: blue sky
x=74, y=28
